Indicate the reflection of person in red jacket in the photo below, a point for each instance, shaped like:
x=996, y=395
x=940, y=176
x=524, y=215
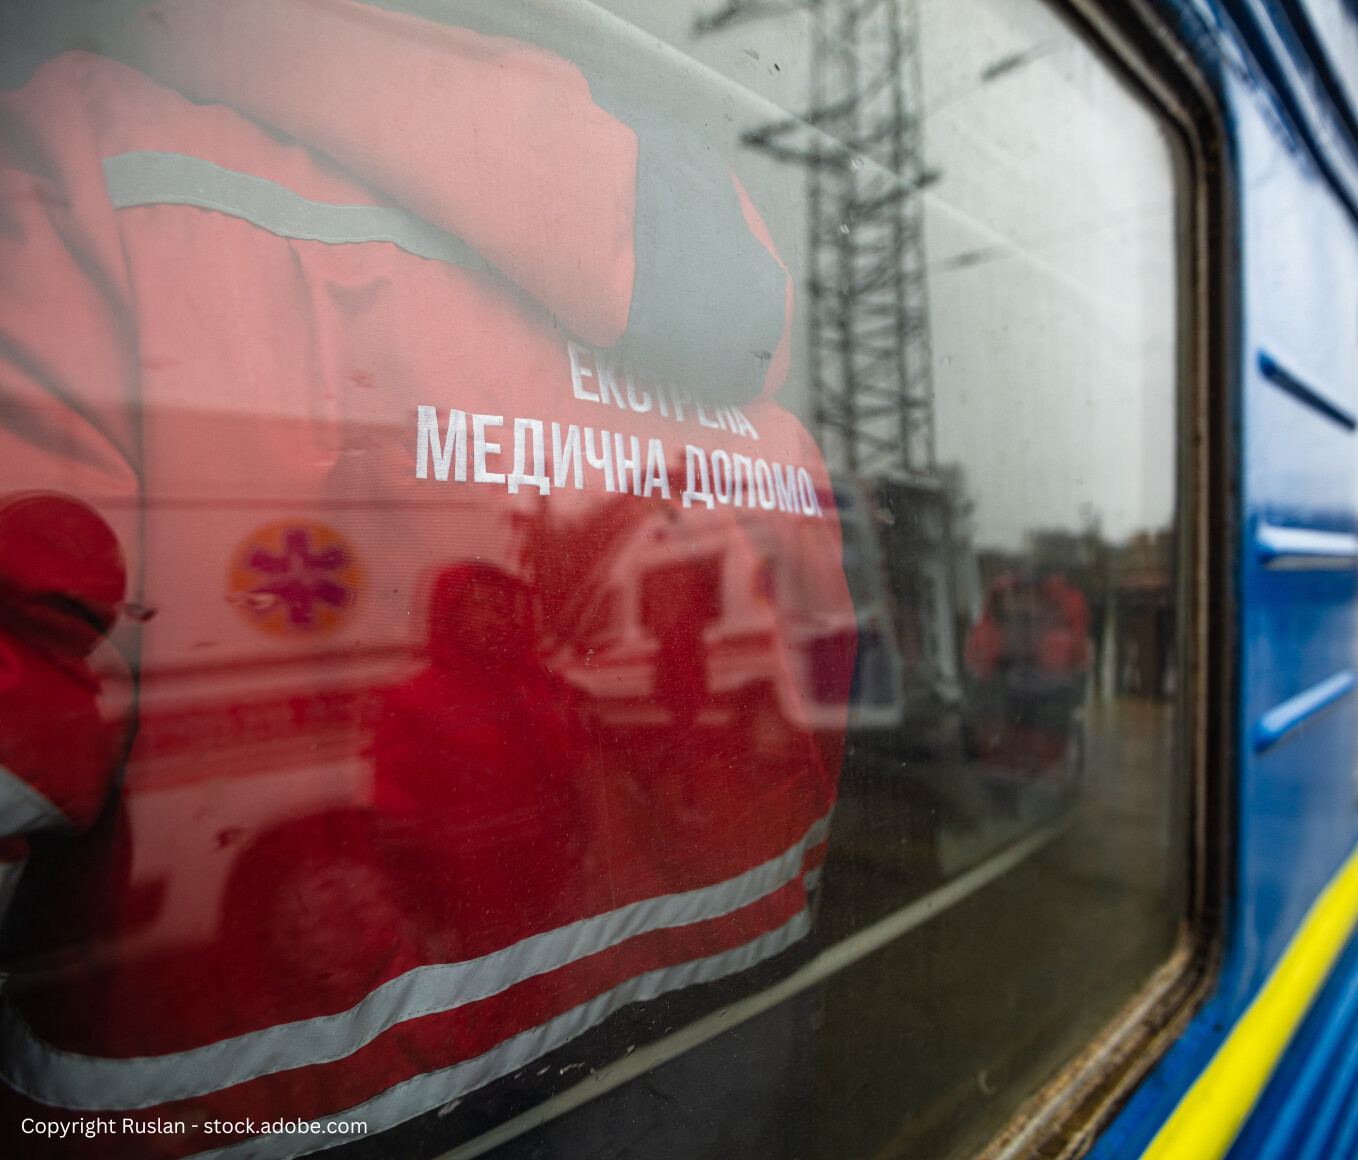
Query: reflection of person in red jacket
x=62, y=579
x=1027, y=662
x=313, y=302
x=477, y=765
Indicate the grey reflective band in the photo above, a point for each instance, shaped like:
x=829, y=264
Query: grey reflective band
x=23, y=809
x=65, y=1079
x=153, y=178
x=838, y=956
x=424, y=1093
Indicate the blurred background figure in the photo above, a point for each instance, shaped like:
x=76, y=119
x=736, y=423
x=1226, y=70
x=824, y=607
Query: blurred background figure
x=1027, y=664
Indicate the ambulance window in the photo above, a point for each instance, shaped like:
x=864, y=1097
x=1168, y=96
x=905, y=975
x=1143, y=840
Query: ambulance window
x=579, y=578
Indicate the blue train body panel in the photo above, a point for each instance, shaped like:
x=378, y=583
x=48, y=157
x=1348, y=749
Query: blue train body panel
x=1296, y=353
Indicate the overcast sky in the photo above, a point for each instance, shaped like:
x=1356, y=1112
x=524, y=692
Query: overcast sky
x=1050, y=242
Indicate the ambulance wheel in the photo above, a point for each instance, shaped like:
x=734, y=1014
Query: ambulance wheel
x=312, y=903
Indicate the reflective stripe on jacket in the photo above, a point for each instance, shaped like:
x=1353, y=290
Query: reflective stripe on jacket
x=229, y=280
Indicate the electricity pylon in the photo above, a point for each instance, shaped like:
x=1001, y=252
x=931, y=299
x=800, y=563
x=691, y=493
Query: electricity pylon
x=871, y=367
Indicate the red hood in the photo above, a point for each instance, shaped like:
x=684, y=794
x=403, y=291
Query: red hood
x=502, y=144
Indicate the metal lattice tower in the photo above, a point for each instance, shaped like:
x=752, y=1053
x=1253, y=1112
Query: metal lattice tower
x=870, y=357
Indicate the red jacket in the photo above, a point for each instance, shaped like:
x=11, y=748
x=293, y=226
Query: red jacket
x=1049, y=631
x=311, y=307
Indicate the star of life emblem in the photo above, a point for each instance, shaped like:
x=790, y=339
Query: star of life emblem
x=295, y=578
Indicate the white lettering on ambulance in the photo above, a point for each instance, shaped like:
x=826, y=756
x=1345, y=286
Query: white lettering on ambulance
x=427, y=441
x=721, y=476
x=579, y=372
x=677, y=399
x=737, y=462
x=742, y=425
x=810, y=500
x=564, y=458
x=786, y=489
x=602, y=462
x=618, y=386
x=656, y=473
x=692, y=490
x=734, y=480
x=763, y=480
x=642, y=405
x=609, y=370
x=481, y=448
x=625, y=464
x=538, y=478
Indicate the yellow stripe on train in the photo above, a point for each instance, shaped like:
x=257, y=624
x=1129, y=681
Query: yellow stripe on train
x=1214, y=1109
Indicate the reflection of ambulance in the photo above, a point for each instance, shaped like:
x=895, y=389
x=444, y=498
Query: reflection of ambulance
x=758, y=629
x=755, y=629
x=246, y=738
x=250, y=726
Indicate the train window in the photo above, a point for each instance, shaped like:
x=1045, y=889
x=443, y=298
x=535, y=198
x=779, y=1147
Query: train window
x=579, y=578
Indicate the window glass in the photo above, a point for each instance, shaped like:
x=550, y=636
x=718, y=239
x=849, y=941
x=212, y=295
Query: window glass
x=578, y=579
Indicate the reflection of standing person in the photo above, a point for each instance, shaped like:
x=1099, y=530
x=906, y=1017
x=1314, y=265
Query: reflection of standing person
x=1027, y=663
x=475, y=762
x=62, y=579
